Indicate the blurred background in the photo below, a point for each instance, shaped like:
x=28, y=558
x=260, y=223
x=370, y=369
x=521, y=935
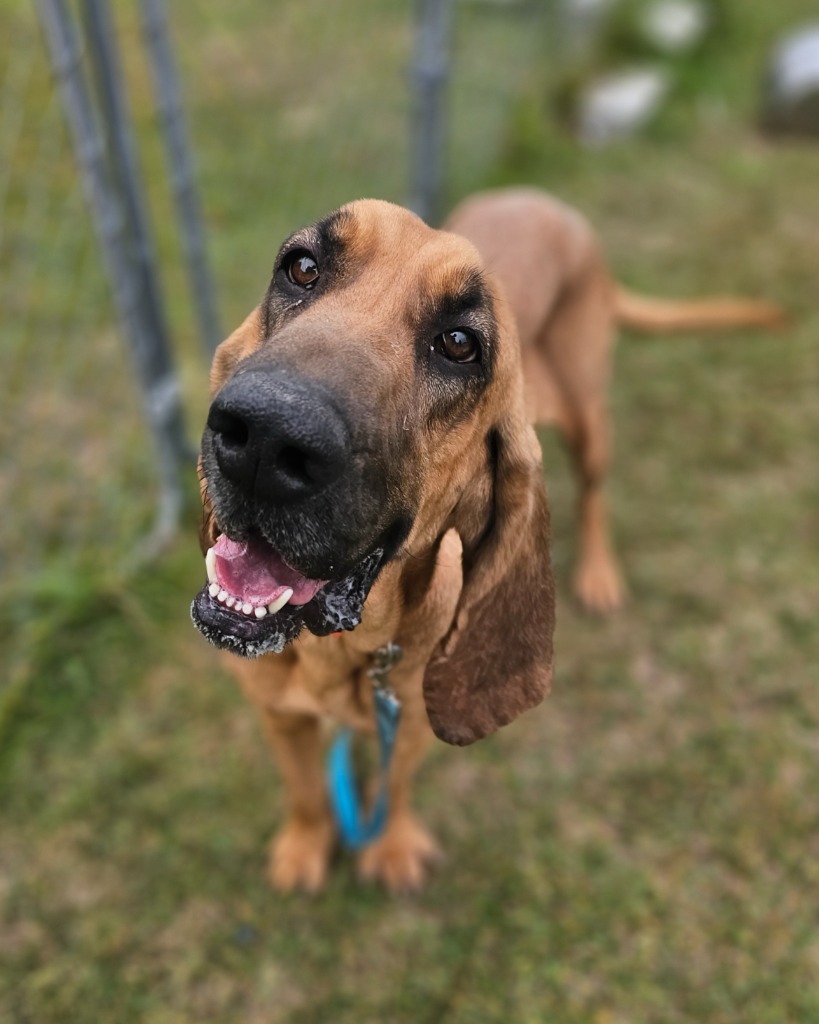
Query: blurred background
x=645, y=846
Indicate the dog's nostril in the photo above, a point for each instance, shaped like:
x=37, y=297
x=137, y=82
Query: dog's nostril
x=236, y=434
x=294, y=463
x=231, y=429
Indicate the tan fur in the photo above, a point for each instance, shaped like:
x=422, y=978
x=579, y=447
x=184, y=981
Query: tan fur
x=645, y=313
x=566, y=306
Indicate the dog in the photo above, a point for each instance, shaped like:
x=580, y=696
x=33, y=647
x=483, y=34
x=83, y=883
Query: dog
x=368, y=468
x=370, y=475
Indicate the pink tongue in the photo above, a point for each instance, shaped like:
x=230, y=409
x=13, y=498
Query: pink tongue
x=254, y=572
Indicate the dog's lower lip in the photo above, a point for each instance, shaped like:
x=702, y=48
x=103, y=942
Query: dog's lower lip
x=247, y=635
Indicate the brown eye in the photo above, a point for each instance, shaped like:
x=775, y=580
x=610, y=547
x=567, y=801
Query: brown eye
x=460, y=346
x=301, y=269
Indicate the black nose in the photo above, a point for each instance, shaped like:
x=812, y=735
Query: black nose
x=277, y=437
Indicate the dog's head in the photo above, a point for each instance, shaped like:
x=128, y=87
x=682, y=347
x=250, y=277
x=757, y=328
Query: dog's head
x=372, y=402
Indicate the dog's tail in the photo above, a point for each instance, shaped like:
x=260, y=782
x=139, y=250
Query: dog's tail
x=658, y=315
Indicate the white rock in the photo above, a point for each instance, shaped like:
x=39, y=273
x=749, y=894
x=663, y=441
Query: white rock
x=618, y=105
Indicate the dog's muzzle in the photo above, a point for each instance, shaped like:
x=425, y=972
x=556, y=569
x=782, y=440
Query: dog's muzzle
x=278, y=456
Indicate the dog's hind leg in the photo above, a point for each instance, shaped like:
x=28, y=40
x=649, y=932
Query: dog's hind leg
x=597, y=579
x=576, y=349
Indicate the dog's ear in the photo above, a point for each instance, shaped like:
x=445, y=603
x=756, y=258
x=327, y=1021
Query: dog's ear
x=496, y=661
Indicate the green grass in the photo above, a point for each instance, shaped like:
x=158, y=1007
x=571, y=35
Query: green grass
x=643, y=849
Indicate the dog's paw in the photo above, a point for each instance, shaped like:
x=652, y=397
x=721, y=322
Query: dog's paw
x=300, y=855
x=400, y=857
x=598, y=585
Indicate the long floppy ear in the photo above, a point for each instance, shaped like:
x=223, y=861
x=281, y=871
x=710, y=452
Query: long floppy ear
x=233, y=349
x=496, y=661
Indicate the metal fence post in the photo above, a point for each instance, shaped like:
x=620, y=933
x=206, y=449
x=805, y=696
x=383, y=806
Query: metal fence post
x=429, y=74
x=123, y=238
x=183, y=179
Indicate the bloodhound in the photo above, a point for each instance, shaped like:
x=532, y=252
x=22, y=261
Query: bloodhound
x=370, y=475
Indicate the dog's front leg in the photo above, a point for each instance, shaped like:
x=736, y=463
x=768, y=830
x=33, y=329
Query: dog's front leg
x=300, y=853
x=400, y=856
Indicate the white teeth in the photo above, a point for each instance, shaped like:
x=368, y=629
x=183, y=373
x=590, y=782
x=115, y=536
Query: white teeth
x=280, y=601
x=210, y=565
x=236, y=603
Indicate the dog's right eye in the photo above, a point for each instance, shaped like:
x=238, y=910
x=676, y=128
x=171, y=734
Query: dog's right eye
x=301, y=269
x=458, y=346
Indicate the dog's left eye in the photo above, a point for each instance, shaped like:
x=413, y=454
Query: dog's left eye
x=459, y=346
x=301, y=269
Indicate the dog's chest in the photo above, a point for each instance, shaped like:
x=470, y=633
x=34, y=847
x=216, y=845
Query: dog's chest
x=318, y=677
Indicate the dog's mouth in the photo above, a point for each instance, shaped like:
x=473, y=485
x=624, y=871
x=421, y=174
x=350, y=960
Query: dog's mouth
x=251, y=578
x=254, y=603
